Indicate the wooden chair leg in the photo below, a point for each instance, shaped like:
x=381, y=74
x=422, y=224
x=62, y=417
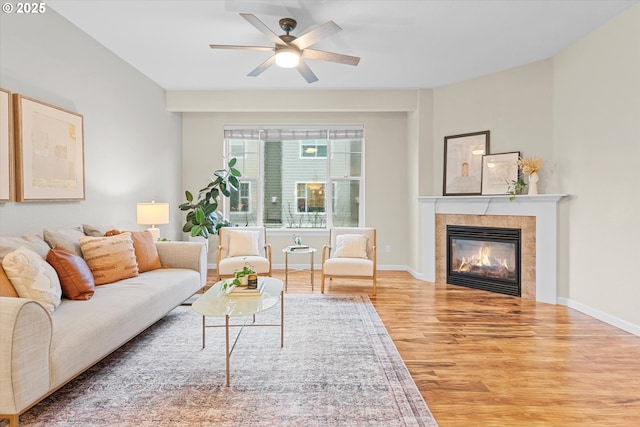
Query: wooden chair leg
x=322, y=283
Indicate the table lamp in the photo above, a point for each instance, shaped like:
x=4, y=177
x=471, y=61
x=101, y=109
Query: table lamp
x=153, y=214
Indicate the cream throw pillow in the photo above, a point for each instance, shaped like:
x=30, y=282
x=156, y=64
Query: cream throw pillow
x=110, y=258
x=33, y=241
x=351, y=246
x=32, y=277
x=243, y=242
x=66, y=238
x=96, y=230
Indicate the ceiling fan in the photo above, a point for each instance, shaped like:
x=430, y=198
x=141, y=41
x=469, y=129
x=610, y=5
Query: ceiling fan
x=291, y=50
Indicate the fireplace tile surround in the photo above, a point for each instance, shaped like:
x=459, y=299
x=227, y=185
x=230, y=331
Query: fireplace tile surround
x=536, y=216
x=527, y=225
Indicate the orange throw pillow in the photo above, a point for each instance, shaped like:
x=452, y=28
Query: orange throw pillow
x=76, y=279
x=6, y=288
x=146, y=251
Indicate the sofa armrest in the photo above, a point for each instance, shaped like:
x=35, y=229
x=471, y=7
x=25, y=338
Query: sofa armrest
x=190, y=255
x=25, y=344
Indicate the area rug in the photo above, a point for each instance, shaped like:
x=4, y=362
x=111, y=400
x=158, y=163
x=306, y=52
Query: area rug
x=338, y=367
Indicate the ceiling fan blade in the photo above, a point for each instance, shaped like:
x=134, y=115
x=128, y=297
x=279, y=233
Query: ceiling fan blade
x=260, y=68
x=330, y=56
x=306, y=72
x=253, y=20
x=315, y=35
x=231, y=46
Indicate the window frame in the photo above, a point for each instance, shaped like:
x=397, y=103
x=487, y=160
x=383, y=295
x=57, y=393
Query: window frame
x=330, y=183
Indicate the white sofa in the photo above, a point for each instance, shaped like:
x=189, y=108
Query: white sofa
x=40, y=352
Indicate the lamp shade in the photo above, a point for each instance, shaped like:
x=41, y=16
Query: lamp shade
x=152, y=213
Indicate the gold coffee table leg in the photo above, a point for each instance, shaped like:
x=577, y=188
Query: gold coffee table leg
x=226, y=324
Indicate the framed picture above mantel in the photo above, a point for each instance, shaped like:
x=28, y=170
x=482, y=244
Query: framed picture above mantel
x=49, y=152
x=463, y=163
x=499, y=171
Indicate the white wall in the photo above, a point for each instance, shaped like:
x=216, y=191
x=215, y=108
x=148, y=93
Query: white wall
x=386, y=198
x=132, y=144
x=597, y=138
x=515, y=105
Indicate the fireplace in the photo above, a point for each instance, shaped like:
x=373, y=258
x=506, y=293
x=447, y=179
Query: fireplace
x=485, y=258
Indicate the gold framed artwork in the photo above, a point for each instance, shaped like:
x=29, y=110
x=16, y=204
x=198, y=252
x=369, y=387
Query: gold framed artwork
x=6, y=148
x=49, y=152
x=498, y=172
x=463, y=163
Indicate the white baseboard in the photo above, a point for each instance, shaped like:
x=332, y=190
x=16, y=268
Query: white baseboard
x=597, y=314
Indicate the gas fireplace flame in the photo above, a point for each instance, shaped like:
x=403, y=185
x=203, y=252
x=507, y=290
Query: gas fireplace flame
x=481, y=259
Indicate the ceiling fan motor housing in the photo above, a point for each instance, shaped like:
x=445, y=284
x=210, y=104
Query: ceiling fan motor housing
x=287, y=24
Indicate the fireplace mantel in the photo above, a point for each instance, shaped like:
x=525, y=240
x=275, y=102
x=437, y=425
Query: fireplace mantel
x=543, y=207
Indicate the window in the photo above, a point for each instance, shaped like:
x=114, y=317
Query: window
x=313, y=149
x=239, y=200
x=310, y=196
x=297, y=178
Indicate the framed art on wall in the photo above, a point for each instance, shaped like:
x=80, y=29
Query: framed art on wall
x=463, y=163
x=498, y=171
x=6, y=148
x=49, y=152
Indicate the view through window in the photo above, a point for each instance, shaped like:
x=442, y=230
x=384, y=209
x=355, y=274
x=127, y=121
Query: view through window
x=297, y=178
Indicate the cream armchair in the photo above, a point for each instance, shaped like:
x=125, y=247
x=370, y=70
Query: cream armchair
x=240, y=245
x=351, y=253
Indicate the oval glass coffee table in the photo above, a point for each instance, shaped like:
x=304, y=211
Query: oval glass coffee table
x=215, y=303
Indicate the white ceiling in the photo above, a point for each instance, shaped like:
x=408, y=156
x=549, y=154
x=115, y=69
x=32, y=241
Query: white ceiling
x=402, y=43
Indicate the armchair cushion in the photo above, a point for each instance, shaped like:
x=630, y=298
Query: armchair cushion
x=348, y=267
x=351, y=246
x=243, y=243
x=228, y=266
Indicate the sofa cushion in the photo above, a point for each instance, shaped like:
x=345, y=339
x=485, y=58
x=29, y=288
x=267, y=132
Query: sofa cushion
x=96, y=230
x=110, y=258
x=243, y=242
x=6, y=288
x=33, y=241
x=75, y=276
x=33, y=277
x=351, y=246
x=67, y=238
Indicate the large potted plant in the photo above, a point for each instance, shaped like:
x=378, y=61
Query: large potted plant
x=203, y=217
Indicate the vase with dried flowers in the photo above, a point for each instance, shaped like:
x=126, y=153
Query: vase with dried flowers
x=531, y=166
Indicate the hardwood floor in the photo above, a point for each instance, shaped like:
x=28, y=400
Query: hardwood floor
x=484, y=359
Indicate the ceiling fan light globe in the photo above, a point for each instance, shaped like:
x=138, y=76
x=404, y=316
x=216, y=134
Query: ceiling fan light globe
x=287, y=58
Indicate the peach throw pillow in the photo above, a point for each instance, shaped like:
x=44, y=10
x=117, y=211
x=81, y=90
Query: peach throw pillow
x=110, y=258
x=146, y=251
x=75, y=276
